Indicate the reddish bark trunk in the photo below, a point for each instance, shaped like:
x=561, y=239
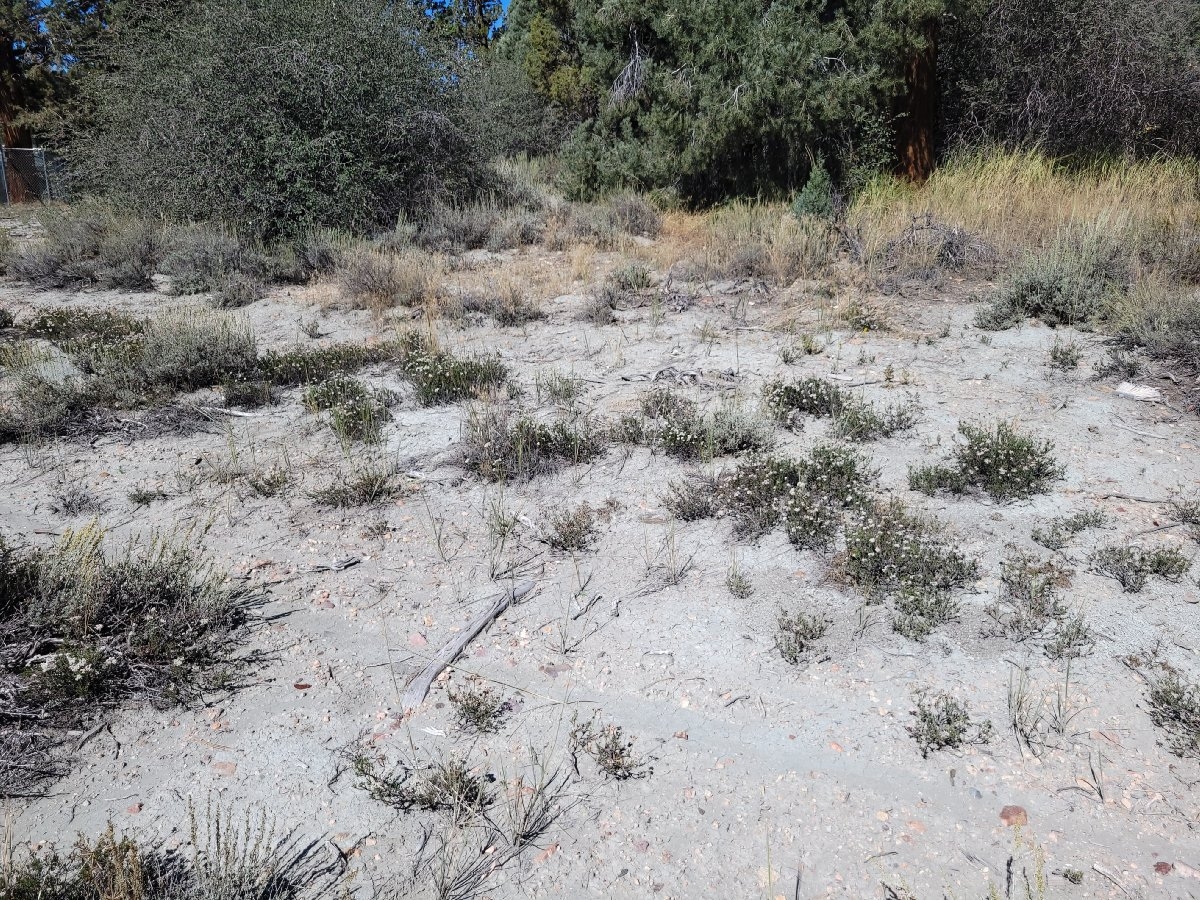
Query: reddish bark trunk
x=917, y=121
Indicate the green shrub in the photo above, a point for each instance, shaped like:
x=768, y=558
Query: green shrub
x=203, y=259
x=816, y=197
x=1133, y=566
x=356, y=413
x=998, y=460
x=1071, y=283
x=362, y=118
x=499, y=446
x=440, y=377
x=943, y=722
x=1175, y=707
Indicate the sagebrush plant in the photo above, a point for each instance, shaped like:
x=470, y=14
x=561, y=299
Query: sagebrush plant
x=997, y=459
x=1072, y=639
x=1175, y=708
x=1070, y=283
x=797, y=634
x=118, y=363
x=1065, y=356
x=1133, y=566
x=943, y=722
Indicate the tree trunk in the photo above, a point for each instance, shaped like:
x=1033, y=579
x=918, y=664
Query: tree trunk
x=916, y=129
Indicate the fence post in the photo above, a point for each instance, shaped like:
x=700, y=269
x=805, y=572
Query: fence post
x=4, y=172
x=46, y=195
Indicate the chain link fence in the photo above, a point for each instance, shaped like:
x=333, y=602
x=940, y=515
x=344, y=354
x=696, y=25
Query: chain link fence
x=26, y=175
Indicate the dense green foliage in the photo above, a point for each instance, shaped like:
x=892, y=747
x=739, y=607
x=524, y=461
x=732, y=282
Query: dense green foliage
x=280, y=117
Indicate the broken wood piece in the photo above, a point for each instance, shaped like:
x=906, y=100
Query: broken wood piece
x=415, y=693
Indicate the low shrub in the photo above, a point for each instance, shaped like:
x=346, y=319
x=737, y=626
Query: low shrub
x=501, y=446
x=439, y=377
x=82, y=629
x=797, y=634
x=944, y=723
x=1175, y=708
x=998, y=460
x=1133, y=566
x=380, y=281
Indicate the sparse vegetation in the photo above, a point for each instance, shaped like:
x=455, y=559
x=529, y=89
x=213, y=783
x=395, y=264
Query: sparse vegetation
x=853, y=418
x=1062, y=529
x=478, y=708
x=1133, y=566
x=797, y=633
x=356, y=413
x=501, y=445
x=572, y=529
x=360, y=486
x=1175, y=708
x=944, y=723
x=1065, y=356
x=1029, y=596
x=440, y=377
x=82, y=628
x=609, y=747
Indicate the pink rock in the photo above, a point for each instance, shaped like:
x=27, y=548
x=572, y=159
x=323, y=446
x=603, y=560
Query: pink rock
x=1014, y=815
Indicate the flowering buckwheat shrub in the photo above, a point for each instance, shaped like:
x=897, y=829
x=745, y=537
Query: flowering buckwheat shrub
x=811, y=396
x=890, y=550
x=440, y=377
x=1004, y=462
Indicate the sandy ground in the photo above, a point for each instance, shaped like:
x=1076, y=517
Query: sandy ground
x=762, y=779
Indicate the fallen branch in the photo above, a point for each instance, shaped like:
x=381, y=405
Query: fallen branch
x=415, y=693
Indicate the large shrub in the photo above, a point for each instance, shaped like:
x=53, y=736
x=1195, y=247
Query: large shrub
x=276, y=117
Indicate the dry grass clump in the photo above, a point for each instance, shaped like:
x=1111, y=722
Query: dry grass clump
x=228, y=860
x=500, y=445
x=999, y=460
x=364, y=484
x=486, y=224
x=378, y=281
x=1019, y=199
x=447, y=784
x=82, y=629
x=750, y=240
x=1133, y=566
x=944, y=723
x=508, y=306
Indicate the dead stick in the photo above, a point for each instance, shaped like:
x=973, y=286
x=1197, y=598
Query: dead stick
x=415, y=693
